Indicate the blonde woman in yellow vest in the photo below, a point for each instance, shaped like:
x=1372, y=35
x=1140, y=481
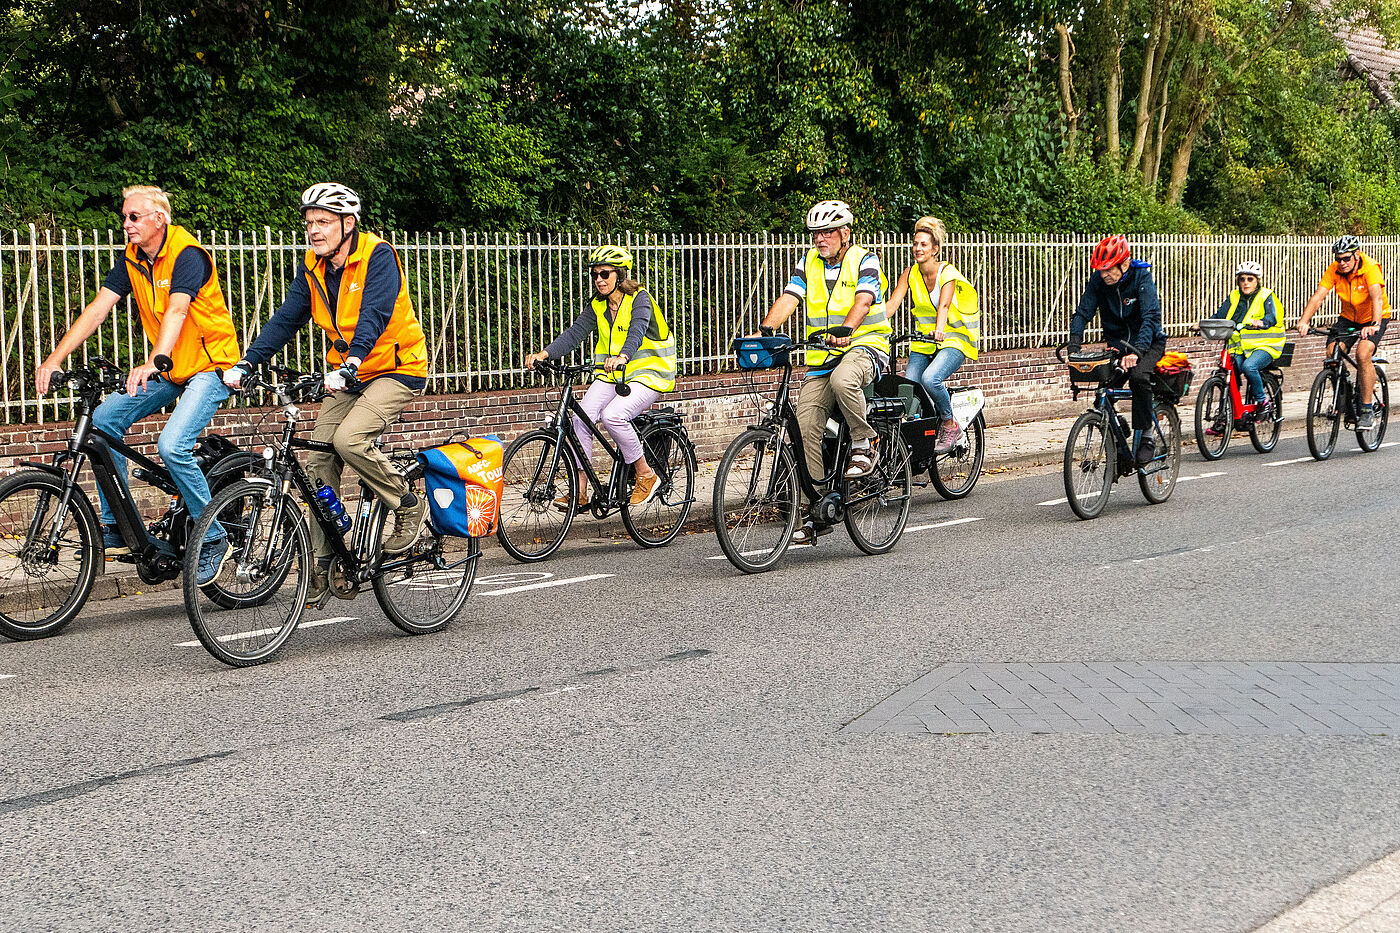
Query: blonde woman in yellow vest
x=1260, y=340
x=172, y=281
x=352, y=286
x=837, y=284
x=944, y=306
x=632, y=343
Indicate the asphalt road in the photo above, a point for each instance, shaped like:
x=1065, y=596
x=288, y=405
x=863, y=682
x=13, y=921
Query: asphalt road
x=663, y=748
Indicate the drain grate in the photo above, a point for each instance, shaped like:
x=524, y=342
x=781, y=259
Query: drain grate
x=1284, y=698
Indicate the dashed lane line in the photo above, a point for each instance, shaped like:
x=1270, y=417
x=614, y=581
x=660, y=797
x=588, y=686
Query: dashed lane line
x=1353, y=450
x=1274, y=463
x=1179, y=479
x=951, y=521
x=257, y=633
x=548, y=583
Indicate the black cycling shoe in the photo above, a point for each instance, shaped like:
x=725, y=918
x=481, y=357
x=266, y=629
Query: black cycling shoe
x=1146, y=451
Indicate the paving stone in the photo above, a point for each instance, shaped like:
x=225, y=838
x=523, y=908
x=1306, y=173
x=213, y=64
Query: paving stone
x=1279, y=698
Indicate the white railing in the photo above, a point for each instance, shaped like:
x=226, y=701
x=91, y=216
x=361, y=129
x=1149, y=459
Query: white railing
x=486, y=300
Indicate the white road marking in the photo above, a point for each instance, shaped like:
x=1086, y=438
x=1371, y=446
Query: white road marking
x=548, y=583
x=1060, y=501
x=954, y=521
x=257, y=633
x=1285, y=462
x=513, y=577
x=1187, y=479
x=7, y=676
x=791, y=547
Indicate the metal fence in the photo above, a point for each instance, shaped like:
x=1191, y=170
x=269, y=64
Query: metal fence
x=486, y=300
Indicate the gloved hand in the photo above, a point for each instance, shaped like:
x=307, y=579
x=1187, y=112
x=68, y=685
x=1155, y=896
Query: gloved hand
x=1075, y=345
x=234, y=375
x=339, y=380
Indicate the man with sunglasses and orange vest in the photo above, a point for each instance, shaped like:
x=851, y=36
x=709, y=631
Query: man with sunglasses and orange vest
x=182, y=310
x=352, y=285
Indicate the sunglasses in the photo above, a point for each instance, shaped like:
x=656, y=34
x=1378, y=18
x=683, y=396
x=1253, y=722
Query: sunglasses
x=1347, y=258
x=1248, y=278
x=135, y=217
x=602, y=273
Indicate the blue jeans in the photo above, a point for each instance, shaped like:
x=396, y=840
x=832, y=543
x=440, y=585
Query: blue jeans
x=1252, y=366
x=195, y=404
x=930, y=371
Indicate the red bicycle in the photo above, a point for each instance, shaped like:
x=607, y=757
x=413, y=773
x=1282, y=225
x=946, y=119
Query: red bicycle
x=1220, y=405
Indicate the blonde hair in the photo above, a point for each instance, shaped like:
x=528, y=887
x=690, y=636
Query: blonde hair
x=935, y=229
x=158, y=198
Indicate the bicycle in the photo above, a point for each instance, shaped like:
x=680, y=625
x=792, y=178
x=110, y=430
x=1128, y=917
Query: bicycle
x=268, y=570
x=541, y=470
x=955, y=473
x=50, y=540
x=1220, y=405
x=1099, y=451
x=763, y=474
x=1334, y=399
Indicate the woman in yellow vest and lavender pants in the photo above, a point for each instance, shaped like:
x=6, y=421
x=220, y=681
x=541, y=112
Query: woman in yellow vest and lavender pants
x=632, y=344
x=944, y=305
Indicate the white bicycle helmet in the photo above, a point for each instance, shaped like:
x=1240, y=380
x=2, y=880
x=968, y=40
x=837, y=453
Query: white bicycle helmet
x=829, y=215
x=1250, y=268
x=333, y=197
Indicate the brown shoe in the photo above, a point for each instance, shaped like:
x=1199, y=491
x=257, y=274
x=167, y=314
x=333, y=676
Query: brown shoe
x=562, y=503
x=408, y=522
x=645, y=490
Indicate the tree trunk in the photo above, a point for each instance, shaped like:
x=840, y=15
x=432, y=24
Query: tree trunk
x=1151, y=75
x=1067, y=85
x=1113, y=99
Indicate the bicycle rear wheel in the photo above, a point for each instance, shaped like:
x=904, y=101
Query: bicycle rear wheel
x=1158, y=478
x=1090, y=465
x=1214, y=413
x=1324, y=414
x=956, y=472
x=43, y=588
x=266, y=574
x=1264, y=435
x=1371, y=439
x=667, y=448
x=422, y=590
x=877, y=504
x=756, y=500
x=536, y=472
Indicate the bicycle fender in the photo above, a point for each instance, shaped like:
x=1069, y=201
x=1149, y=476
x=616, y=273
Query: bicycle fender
x=46, y=467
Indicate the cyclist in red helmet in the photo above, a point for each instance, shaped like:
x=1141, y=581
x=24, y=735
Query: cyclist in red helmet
x=1121, y=290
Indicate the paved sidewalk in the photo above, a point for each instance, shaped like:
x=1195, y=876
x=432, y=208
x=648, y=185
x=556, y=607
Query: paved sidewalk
x=1009, y=447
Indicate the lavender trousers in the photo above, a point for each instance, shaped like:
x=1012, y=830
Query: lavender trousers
x=615, y=413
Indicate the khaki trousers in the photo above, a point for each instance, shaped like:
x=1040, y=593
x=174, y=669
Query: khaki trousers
x=843, y=386
x=351, y=422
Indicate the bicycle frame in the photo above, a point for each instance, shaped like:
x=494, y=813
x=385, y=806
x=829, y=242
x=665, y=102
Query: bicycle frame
x=1105, y=400
x=1238, y=407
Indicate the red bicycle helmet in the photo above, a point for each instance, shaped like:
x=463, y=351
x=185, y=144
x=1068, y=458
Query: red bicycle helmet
x=1111, y=251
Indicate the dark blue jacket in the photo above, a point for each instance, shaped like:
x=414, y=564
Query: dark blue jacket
x=1131, y=310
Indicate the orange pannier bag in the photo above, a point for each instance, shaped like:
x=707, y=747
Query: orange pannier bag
x=463, y=482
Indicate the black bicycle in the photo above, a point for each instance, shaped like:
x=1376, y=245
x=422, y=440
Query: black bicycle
x=50, y=541
x=268, y=572
x=1335, y=400
x=763, y=475
x=1099, y=448
x=541, y=473
x=954, y=474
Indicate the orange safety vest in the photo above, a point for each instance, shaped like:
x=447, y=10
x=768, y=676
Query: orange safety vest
x=402, y=348
x=207, y=340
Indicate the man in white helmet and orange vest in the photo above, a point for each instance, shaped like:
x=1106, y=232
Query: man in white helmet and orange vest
x=177, y=294
x=838, y=284
x=352, y=286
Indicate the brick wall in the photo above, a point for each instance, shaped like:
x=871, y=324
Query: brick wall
x=1020, y=385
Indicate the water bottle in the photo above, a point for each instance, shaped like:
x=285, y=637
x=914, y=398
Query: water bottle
x=331, y=503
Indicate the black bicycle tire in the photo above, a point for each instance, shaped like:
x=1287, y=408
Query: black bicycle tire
x=679, y=441
x=1110, y=465
x=1382, y=417
x=890, y=443
x=1273, y=391
x=1215, y=382
x=408, y=626
x=1173, y=452
x=89, y=542
x=978, y=429
x=1315, y=397
x=192, y=590
x=570, y=480
x=785, y=462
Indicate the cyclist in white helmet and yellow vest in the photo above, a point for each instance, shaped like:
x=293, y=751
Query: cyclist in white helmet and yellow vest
x=1260, y=340
x=837, y=284
x=944, y=305
x=634, y=345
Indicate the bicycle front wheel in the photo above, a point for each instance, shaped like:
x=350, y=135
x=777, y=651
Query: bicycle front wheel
x=1324, y=415
x=756, y=500
x=1158, y=478
x=1264, y=434
x=1371, y=438
x=956, y=472
x=265, y=577
x=1215, y=417
x=877, y=504
x=667, y=448
x=45, y=577
x=536, y=473
x=1090, y=465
